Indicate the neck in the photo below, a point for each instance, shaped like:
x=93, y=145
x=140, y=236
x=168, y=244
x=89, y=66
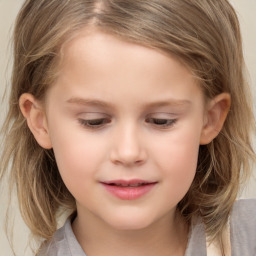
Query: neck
x=168, y=236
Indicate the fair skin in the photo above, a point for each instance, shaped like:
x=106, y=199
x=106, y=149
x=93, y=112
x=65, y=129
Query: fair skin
x=120, y=111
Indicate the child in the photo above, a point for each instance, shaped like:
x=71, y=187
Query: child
x=135, y=117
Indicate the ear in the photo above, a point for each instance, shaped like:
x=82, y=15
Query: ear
x=34, y=113
x=216, y=113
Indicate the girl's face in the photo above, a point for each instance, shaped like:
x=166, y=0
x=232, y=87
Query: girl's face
x=125, y=123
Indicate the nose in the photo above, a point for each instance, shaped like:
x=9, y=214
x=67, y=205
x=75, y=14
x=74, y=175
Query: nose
x=127, y=147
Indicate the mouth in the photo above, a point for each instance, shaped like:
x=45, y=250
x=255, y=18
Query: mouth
x=128, y=189
x=128, y=183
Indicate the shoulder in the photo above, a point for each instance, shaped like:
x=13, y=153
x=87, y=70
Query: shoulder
x=243, y=207
x=56, y=246
x=243, y=227
x=244, y=214
x=63, y=243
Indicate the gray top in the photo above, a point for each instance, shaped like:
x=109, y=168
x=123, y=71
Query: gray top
x=242, y=228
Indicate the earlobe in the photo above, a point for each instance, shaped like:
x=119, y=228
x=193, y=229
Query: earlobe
x=34, y=113
x=216, y=114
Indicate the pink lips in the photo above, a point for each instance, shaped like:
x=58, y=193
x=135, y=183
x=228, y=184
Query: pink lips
x=128, y=189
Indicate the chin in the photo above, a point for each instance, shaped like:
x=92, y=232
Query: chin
x=130, y=222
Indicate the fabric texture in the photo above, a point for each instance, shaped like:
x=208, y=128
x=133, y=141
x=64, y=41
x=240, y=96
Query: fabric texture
x=242, y=235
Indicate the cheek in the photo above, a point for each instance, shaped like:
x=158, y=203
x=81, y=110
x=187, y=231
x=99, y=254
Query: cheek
x=180, y=148
x=77, y=155
x=178, y=160
x=185, y=151
x=180, y=164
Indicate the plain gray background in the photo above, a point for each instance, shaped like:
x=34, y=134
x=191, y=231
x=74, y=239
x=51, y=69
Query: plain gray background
x=8, y=9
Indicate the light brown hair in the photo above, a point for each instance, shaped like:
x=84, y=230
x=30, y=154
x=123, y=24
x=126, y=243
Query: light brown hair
x=203, y=34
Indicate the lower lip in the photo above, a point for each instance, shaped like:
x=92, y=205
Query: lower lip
x=129, y=193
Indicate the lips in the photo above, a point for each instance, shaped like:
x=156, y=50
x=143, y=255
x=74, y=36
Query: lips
x=128, y=189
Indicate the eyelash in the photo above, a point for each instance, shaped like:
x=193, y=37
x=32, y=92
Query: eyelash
x=161, y=122
x=100, y=122
x=94, y=123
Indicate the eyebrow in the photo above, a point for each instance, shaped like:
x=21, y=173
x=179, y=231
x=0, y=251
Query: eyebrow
x=90, y=102
x=169, y=102
x=100, y=103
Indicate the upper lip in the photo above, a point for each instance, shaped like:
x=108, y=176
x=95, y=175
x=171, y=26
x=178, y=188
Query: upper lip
x=133, y=182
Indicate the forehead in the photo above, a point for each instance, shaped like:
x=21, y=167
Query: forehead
x=94, y=62
x=95, y=47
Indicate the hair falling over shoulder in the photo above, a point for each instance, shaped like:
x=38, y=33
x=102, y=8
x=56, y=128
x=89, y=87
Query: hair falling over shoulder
x=204, y=35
